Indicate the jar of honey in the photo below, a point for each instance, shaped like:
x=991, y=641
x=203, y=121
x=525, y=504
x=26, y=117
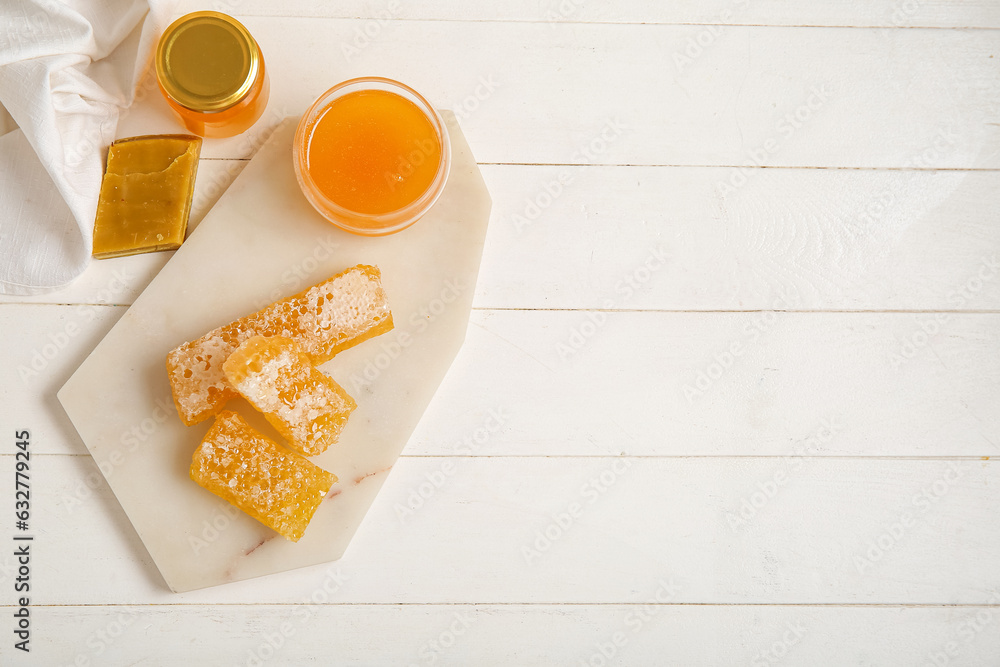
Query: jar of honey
x=372, y=156
x=212, y=73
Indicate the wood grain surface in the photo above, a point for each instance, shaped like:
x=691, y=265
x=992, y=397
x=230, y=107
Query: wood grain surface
x=730, y=393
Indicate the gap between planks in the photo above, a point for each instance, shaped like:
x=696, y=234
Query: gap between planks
x=487, y=309
x=667, y=165
x=749, y=310
x=545, y=21
x=891, y=605
x=848, y=457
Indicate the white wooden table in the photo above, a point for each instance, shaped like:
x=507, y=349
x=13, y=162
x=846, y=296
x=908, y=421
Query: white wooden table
x=731, y=389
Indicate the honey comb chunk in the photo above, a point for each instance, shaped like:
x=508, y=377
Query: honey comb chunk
x=146, y=195
x=324, y=319
x=276, y=486
x=304, y=404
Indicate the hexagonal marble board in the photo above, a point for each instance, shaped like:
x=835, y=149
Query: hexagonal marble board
x=262, y=241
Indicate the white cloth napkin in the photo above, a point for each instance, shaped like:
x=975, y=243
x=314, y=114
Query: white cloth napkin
x=67, y=69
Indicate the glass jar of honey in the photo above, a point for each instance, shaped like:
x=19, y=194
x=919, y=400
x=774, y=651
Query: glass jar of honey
x=211, y=71
x=372, y=156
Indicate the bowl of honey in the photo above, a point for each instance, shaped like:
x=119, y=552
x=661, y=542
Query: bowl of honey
x=372, y=156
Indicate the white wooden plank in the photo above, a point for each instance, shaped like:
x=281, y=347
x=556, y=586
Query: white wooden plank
x=884, y=13
x=585, y=530
x=626, y=94
x=577, y=237
x=836, y=239
x=649, y=384
x=669, y=384
x=641, y=634
x=42, y=347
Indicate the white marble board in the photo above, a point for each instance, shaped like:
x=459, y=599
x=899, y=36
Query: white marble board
x=261, y=242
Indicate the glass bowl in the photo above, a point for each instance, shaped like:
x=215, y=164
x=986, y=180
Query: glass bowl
x=369, y=224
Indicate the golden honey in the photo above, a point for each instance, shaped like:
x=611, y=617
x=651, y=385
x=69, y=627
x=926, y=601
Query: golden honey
x=373, y=152
x=324, y=319
x=372, y=156
x=276, y=486
x=304, y=404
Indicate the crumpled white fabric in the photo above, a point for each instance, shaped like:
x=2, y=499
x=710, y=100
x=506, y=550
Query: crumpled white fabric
x=67, y=70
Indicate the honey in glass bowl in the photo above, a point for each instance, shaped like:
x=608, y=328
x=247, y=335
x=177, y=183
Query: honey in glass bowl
x=372, y=156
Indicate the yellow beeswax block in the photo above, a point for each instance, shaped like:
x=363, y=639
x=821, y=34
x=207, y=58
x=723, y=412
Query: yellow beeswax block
x=324, y=319
x=274, y=485
x=304, y=404
x=146, y=195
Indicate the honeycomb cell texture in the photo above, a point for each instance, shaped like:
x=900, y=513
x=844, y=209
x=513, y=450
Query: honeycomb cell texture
x=304, y=404
x=274, y=485
x=334, y=315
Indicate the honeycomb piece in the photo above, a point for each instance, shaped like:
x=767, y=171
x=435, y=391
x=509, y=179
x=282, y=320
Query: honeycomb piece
x=301, y=402
x=329, y=317
x=146, y=195
x=276, y=486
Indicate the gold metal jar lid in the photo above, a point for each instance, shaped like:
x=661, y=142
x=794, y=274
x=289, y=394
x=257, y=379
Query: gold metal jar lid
x=207, y=61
